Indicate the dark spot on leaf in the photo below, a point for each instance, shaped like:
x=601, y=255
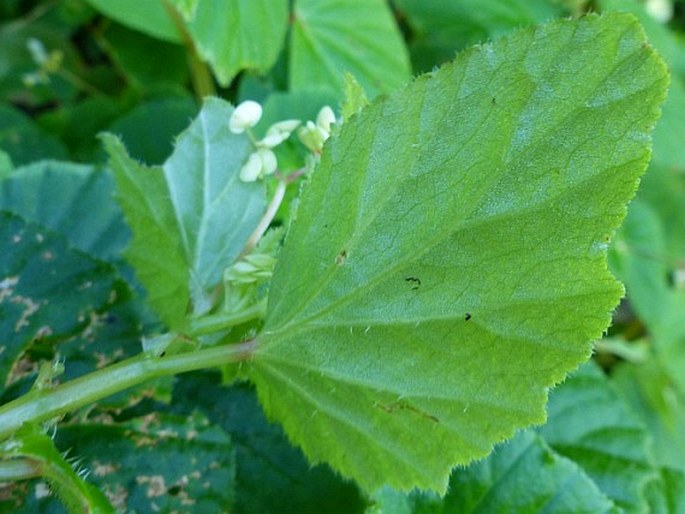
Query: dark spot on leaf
x=467, y=317
x=174, y=490
x=341, y=257
x=494, y=101
x=415, y=282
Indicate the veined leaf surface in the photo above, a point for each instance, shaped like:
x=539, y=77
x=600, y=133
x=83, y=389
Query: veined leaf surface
x=448, y=262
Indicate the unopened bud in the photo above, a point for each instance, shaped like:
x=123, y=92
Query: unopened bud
x=246, y=115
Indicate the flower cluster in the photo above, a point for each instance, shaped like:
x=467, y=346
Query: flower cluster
x=262, y=161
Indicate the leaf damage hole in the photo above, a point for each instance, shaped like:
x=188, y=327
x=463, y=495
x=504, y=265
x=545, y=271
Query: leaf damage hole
x=414, y=282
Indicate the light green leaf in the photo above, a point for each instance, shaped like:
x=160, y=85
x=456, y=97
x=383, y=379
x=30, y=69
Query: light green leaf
x=191, y=217
x=155, y=250
x=590, y=424
x=331, y=37
x=232, y=35
x=6, y=165
x=454, y=244
x=149, y=16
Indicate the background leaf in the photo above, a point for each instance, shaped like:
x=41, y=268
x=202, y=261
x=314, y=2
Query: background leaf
x=591, y=425
x=331, y=37
x=232, y=35
x=444, y=229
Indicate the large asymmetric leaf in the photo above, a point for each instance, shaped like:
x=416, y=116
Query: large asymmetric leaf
x=192, y=216
x=331, y=37
x=454, y=243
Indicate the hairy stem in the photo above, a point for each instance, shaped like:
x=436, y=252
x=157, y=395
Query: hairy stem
x=43, y=405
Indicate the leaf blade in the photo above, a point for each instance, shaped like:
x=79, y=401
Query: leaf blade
x=413, y=293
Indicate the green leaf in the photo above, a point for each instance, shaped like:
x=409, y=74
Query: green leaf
x=154, y=251
x=591, y=425
x=442, y=27
x=191, y=217
x=523, y=476
x=150, y=17
x=48, y=291
x=24, y=141
x=233, y=35
x=271, y=475
x=187, y=8
x=331, y=37
x=667, y=495
x=72, y=199
x=148, y=129
x=454, y=239
x=6, y=165
x=157, y=463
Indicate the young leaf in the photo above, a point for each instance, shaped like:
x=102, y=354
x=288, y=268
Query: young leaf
x=454, y=244
x=191, y=217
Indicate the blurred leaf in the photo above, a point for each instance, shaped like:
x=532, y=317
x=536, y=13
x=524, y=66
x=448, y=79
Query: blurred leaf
x=439, y=28
x=77, y=125
x=16, y=62
x=272, y=477
x=523, y=476
x=132, y=51
x=6, y=165
x=667, y=494
x=187, y=8
x=48, y=291
x=590, y=424
x=639, y=258
x=72, y=199
x=24, y=141
x=445, y=226
x=149, y=129
x=150, y=17
x=233, y=35
x=331, y=37
x=655, y=399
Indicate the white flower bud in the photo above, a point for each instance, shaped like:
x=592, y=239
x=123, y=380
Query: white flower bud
x=278, y=132
x=251, y=169
x=269, y=162
x=660, y=10
x=246, y=115
x=325, y=118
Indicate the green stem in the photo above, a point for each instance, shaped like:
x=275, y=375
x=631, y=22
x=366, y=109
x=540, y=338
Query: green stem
x=43, y=405
x=203, y=84
x=266, y=220
x=217, y=322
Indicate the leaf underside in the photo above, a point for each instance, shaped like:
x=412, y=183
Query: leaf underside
x=448, y=263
